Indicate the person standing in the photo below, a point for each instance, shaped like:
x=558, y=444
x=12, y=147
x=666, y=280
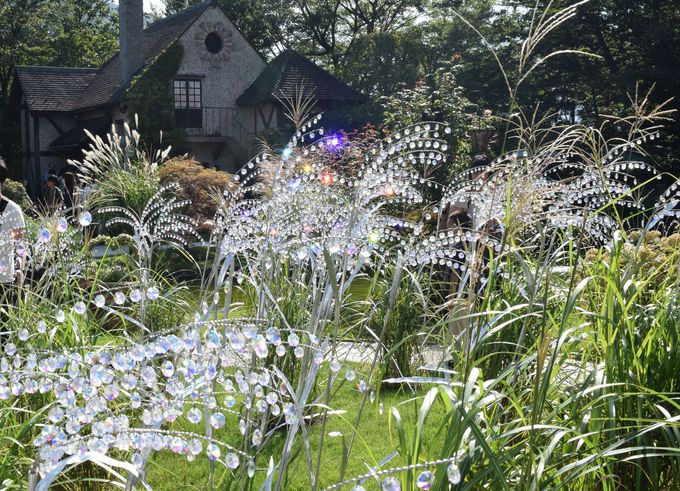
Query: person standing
x=54, y=199
x=71, y=194
x=11, y=230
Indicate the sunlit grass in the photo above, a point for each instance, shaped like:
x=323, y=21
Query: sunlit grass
x=376, y=441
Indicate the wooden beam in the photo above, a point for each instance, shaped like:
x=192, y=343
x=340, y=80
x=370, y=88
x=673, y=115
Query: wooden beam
x=26, y=143
x=36, y=151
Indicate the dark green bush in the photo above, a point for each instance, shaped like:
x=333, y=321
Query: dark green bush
x=16, y=191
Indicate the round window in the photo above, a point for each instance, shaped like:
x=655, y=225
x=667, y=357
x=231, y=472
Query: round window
x=213, y=42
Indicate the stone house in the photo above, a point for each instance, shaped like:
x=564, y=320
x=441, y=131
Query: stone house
x=203, y=75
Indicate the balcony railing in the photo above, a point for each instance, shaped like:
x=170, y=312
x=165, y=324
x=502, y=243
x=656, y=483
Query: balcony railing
x=210, y=122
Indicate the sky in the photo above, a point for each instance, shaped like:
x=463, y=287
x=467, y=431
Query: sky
x=153, y=4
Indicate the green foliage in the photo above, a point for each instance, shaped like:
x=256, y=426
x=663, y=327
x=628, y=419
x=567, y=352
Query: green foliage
x=174, y=6
x=381, y=63
x=122, y=171
x=116, y=265
x=400, y=322
x=587, y=391
x=329, y=29
x=264, y=23
x=435, y=97
x=151, y=99
x=85, y=33
x=352, y=119
x=130, y=189
x=16, y=191
x=170, y=310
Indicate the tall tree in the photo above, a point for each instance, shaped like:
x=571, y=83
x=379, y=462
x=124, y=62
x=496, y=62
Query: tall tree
x=265, y=23
x=54, y=32
x=174, y=6
x=84, y=32
x=21, y=39
x=637, y=44
x=379, y=64
x=328, y=29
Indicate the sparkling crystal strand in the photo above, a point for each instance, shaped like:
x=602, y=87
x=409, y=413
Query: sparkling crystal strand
x=217, y=420
x=135, y=295
x=425, y=480
x=119, y=298
x=62, y=225
x=85, y=219
x=213, y=451
x=153, y=293
x=232, y=461
x=79, y=308
x=453, y=473
x=390, y=484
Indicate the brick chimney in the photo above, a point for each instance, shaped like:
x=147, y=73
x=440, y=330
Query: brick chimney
x=131, y=13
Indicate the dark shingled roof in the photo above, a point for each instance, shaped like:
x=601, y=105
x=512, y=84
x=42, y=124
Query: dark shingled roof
x=53, y=88
x=106, y=87
x=287, y=72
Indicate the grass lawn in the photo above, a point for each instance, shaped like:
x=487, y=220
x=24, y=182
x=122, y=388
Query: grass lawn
x=375, y=440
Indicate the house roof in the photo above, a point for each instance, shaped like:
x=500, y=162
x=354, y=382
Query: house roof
x=287, y=72
x=77, y=89
x=106, y=87
x=53, y=88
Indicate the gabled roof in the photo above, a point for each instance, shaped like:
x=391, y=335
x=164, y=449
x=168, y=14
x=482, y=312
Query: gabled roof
x=287, y=72
x=53, y=88
x=106, y=86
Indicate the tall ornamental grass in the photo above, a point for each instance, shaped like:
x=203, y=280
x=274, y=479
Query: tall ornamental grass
x=550, y=325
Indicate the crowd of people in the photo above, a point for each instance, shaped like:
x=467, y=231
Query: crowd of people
x=60, y=191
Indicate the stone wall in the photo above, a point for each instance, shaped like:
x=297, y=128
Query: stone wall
x=224, y=75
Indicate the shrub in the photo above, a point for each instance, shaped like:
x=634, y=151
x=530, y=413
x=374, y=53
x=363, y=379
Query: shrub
x=200, y=185
x=120, y=171
x=16, y=191
x=127, y=188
